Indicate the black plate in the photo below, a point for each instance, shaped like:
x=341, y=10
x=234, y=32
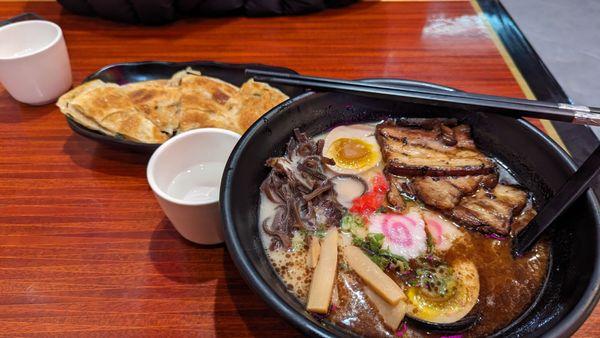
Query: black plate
x=572, y=284
x=123, y=73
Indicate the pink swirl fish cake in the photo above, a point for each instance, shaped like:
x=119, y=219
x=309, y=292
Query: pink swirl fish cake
x=404, y=234
x=442, y=231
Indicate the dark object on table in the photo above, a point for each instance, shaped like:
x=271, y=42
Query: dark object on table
x=124, y=73
x=572, y=285
x=21, y=17
x=156, y=12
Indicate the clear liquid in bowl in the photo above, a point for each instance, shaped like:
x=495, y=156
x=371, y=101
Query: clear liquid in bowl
x=198, y=183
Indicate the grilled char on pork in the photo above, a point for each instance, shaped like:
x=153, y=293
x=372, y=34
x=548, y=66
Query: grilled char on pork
x=491, y=211
x=394, y=196
x=436, y=161
x=410, y=151
x=446, y=192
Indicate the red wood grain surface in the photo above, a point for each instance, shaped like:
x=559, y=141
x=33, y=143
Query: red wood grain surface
x=85, y=248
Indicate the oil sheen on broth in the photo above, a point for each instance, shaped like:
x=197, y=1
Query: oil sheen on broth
x=506, y=286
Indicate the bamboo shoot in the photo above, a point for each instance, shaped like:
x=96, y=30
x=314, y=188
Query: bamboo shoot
x=392, y=314
x=313, y=252
x=372, y=275
x=321, y=285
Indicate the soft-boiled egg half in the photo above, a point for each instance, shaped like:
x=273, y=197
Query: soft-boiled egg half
x=353, y=148
x=455, y=304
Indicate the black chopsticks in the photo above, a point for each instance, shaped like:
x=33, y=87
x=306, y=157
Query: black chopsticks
x=576, y=185
x=455, y=99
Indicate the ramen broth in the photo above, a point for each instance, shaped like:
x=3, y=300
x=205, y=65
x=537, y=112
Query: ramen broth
x=507, y=286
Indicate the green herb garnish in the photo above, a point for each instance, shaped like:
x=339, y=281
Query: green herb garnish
x=320, y=233
x=372, y=245
x=298, y=241
x=350, y=222
x=437, y=282
x=430, y=243
x=354, y=224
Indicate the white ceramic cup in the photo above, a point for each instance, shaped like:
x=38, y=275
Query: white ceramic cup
x=34, y=62
x=197, y=221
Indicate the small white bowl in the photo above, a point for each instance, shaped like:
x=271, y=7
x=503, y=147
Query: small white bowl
x=34, y=62
x=196, y=220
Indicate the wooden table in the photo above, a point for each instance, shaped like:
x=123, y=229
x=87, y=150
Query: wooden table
x=85, y=248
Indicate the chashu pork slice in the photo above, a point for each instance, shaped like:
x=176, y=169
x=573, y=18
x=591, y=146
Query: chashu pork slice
x=445, y=193
x=440, y=151
x=398, y=185
x=491, y=211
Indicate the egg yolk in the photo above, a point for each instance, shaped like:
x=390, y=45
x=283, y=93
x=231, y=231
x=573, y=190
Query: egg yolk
x=461, y=297
x=351, y=153
x=429, y=308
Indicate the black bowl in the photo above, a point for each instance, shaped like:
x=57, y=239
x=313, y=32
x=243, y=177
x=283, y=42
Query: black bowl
x=571, y=289
x=123, y=73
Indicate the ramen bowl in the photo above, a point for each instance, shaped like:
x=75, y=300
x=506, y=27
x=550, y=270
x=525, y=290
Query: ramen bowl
x=571, y=286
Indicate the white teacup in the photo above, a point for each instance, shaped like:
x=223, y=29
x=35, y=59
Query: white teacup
x=34, y=62
x=185, y=174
